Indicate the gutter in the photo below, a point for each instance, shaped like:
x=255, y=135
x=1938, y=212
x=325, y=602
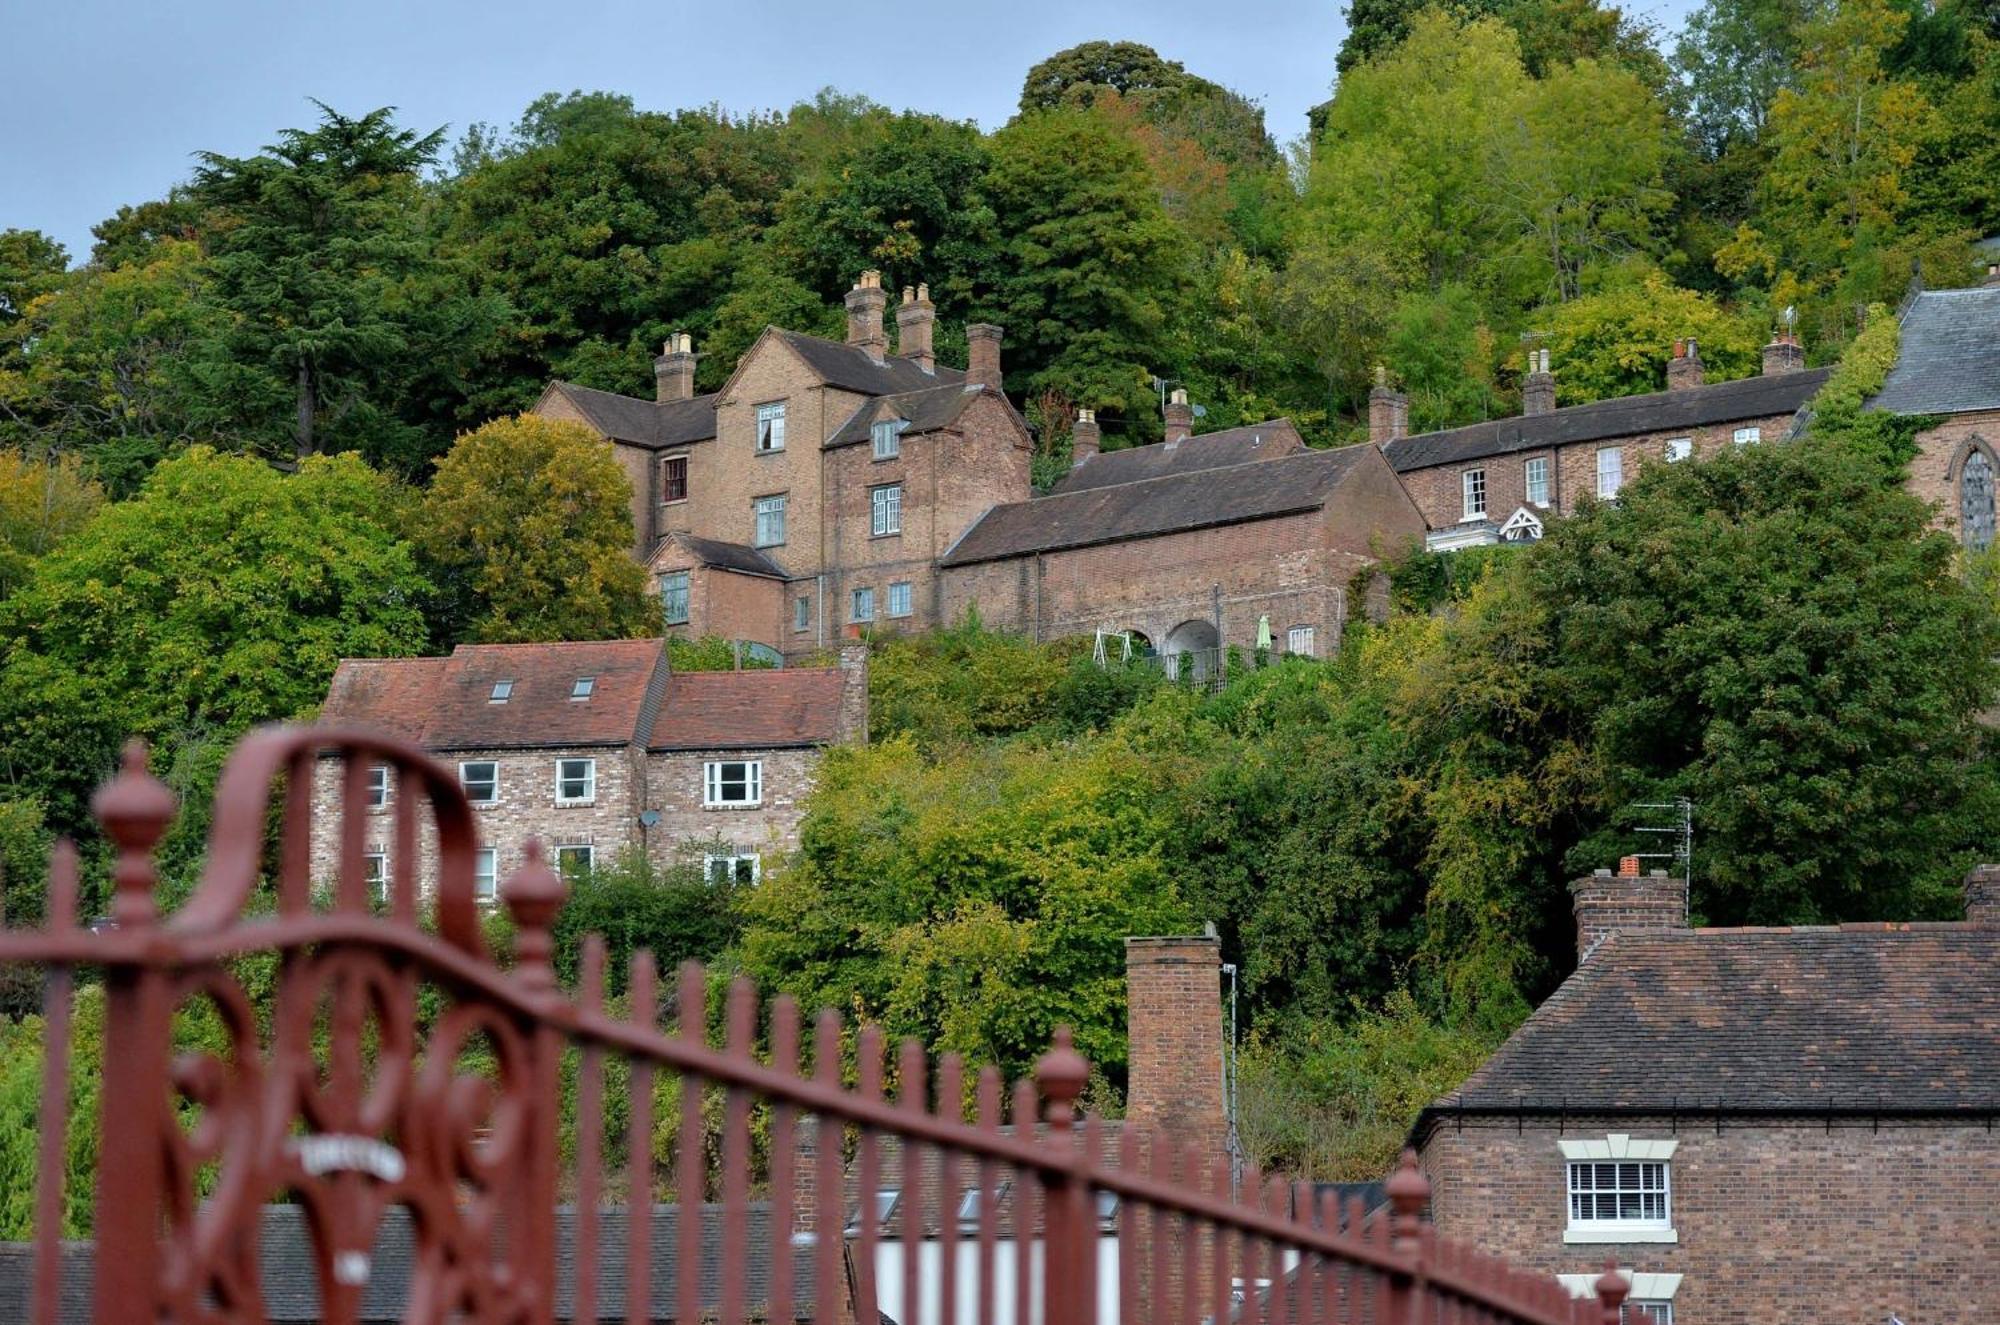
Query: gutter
x=1437, y=1115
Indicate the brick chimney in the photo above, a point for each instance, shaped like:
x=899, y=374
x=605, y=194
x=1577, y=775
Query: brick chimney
x=982, y=354
x=1180, y=416
x=1174, y=989
x=916, y=324
x=1784, y=354
x=1684, y=369
x=1083, y=437
x=1982, y=896
x=853, y=721
x=1388, y=410
x=864, y=315
x=1538, y=388
x=1626, y=901
x=673, y=371
x=1992, y=276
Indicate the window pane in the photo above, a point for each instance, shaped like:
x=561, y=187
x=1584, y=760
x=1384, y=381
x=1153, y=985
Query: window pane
x=378, y=786
x=674, y=597
x=1536, y=475
x=770, y=521
x=771, y=427
x=899, y=599
x=481, y=781
x=674, y=479
x=485, y=874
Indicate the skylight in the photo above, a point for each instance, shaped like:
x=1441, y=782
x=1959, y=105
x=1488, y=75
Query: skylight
x=502, y=692
x=583, y=687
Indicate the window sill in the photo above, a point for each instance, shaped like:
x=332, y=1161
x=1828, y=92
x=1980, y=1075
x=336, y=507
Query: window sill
x=901, y=616
x=570, y=805
x=770, y=450
x=484, y=805
x=1616, y=1233
x=673, y=501
x=893, y=533
x=732, y=805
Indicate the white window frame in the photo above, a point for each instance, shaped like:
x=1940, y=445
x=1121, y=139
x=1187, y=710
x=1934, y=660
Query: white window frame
x=729, y=862
x=885, y=510
x=714, y=784
x=1747, y=436
x=771, y=508
x=583, y=688
x=1678, y=449
x=378, y=786
x=1618, y=1149
x=1302, y=642
x=486, y=875
x=885, y=437
x=862, y=605
x=493, y=764
x=502, y=692
x=586, y=849
x=1535, y=480
x=1611, y=475
x=375, y=872
x=675, y=587
x=589, y=794
x=770, y=427
x=1472, y=493
x=1651, y=1289
x=802, y=613
x=899, y=593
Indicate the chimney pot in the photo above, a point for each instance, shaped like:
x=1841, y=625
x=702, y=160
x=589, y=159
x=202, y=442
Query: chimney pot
x=1179, y=415
x=1084, y=437
x=982, y=357
x=673, y=371
x=864, y=315
x=1538, y=388
x=916, y=328
x=1628, y=901
x=1684, y=370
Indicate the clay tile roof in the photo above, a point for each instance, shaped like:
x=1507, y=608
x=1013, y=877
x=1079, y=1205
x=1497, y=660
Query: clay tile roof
x=1209, y=450
x=1897, y=1016
x=755, y=709
x=1601, y=420
x=649, y=423
x=850, y=367
x=922, y=411
x=1949, y=358
x=393, y=695
x=1155, y=506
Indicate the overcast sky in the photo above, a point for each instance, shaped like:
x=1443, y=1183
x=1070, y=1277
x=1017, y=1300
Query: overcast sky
x=105, y=101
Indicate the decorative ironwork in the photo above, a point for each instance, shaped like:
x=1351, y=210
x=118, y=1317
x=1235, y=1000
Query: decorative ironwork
x=401, y=1065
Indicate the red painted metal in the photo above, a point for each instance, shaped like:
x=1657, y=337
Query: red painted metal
x=349, y=1094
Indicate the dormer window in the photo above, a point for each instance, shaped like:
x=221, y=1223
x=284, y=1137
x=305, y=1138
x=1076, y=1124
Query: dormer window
x=771, y=427
x=888, y=437
x=502, y=692
x=583, y=687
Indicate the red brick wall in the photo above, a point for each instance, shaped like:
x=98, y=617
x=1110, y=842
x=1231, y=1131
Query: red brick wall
x=1174, y=995
x=1604, y=902
x=1774, y=1222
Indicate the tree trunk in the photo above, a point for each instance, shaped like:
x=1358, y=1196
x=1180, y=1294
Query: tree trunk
x=302, y=438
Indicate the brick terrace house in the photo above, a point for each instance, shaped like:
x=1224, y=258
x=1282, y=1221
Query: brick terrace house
x=596, y=748
x=1756, y=1124
x=1500, y=479
x=1948, y=366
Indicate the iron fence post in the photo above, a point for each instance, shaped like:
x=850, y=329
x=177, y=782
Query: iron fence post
x=534, y=894
x=1409, y=1191
x=1060, y=1075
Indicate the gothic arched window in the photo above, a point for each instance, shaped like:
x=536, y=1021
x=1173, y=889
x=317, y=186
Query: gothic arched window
x=1975, y=501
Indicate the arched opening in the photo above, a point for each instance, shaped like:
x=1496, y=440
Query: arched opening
x=1975, y=500
x=1192, y=651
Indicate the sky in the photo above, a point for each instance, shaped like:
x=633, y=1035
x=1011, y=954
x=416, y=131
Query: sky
x=120, y=94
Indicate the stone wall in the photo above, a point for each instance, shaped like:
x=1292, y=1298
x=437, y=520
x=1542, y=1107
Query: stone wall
x=675, y=785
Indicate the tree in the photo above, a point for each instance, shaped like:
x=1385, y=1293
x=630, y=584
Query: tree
x=221, y=596
x=1552, y=33
x=41, y=503
x=1733, y=59
x=1123, y=66
x=1616, y=342
x=529, y=523
x=31, y=264
x=342, y=310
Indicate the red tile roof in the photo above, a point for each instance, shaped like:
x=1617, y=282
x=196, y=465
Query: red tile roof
x=539, y=711
x=753, y=709
x=393, y=695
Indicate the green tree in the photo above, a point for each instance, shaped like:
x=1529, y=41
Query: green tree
x=1124, y=66
x=41, y=503
x=1732, y=60
x=529, y=524
x=1616, y=342
x=31, y=264
x=221, y=596
x=342, y=310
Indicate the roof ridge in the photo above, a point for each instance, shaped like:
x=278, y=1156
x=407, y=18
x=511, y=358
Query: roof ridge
x=1184, y=475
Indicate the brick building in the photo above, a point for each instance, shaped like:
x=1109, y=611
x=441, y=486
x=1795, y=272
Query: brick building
x=596, y=748
x=1948, y=367
x=1756, y=1124
x=1500, y=479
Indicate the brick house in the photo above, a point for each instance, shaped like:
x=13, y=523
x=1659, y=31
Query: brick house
x=597, y=748
x=1500, y=479
x=1948, y=366
x=1756, y=1124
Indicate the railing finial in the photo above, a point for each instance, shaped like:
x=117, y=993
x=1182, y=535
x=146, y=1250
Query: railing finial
x=135, y=808
x=534, y=894
x=1409, y=1191
x=1060, y=1074
x=1611, y=1290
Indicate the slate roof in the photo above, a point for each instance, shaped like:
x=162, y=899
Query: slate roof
x=1894, y=1016
x=758, y=708
x=922, y=411
x=649, y=423
x=1949, y=359
x=1209, y=450
x=1624, y=416
x=1156, y=506
x=850, y=367
x=730, y=556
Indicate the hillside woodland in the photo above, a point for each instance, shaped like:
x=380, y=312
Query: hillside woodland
x=270, y=420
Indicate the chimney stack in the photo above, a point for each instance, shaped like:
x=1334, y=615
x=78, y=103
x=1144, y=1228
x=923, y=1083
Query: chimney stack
x=1538, y=388
x=864, y=315
x=1784, y=354
x=1684, y=369
x=1982, y=896
x=1992, y=275
x=1180, y=416
x=673, y=371
x=852, y=722
x=1388, y=410
x=1173, y=988
x=1626, y=902
x=1084, y=437
x=982, y=354
x=916, y=323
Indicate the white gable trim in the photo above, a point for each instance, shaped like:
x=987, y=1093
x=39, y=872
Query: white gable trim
x=1647, y=1286
x=1521, y=527
x=1617, y=1145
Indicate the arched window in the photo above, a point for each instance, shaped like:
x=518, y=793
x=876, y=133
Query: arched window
x=1975, y=501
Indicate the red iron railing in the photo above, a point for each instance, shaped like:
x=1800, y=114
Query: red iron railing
x=345, y=1098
